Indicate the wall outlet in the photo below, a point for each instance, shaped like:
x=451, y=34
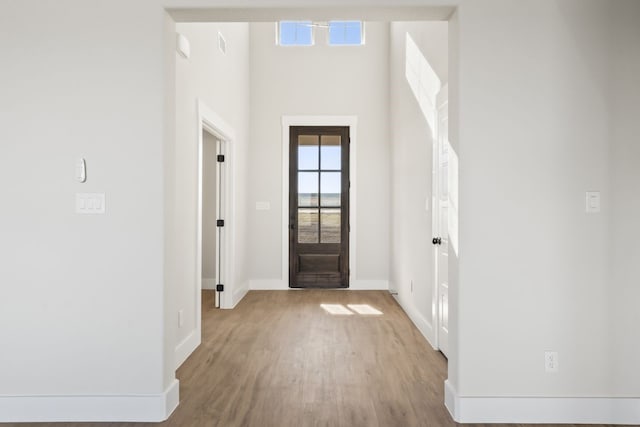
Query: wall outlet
x=180, y=318
x=551, y=361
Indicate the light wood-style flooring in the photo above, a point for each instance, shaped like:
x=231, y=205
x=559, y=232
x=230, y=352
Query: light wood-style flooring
x=281, y=359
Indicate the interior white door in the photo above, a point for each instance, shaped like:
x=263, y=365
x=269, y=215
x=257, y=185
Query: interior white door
x=440, y=220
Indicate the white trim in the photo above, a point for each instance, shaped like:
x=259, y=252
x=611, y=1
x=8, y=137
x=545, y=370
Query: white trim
x=187, y=346
x=351, y=122
x=538, y=410
x=88, y=408
x=214, y=124
x=282, y=285
x=424, y=326
x=369, y=285
x=238, y=294
x=268, y=285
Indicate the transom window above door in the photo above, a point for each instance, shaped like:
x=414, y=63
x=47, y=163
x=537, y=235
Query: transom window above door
x=304, y=33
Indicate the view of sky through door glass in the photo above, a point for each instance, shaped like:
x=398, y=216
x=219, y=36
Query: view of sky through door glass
x=308, y=155
x=330, y=151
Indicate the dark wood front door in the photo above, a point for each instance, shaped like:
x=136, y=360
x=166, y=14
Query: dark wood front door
x=318, y=207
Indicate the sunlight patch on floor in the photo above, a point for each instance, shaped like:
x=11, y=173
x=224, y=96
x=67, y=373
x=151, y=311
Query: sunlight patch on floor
x=341, y=310
x=336, y=309
x=364, y=309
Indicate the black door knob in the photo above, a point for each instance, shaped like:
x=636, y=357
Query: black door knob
x=437, y=241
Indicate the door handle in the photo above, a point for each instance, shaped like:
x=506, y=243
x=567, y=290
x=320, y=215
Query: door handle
x=436, y=241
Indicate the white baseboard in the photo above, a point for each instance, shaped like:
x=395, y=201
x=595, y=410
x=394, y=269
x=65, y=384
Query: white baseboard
x=355, y=285
x=238, y=294
x=108, y=408
x=186, y=347
x=209, y=284
x=542, y=410
x=369, y=285
x=423, y=325
x=268, y=285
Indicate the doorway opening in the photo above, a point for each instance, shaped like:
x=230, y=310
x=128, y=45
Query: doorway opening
x=215, y=211
x=319, y=207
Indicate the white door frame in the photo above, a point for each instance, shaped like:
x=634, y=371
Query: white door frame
x=287, y=122
x=212, y=123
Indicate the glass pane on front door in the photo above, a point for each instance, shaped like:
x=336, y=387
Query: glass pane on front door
x=308, y=225
x=330, y=189
x=308, y=152
x=307, y=189
x=331, y=152
x=329, y=225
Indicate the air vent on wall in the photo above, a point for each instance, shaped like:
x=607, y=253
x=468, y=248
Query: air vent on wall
x=222, y=44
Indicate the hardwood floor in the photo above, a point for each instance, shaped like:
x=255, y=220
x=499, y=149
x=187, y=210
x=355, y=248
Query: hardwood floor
x=280, y=359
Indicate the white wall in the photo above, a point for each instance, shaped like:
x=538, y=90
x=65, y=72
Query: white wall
x=529, y=125
x=533, y=137
x=411, y=156
x=320, y=80
x=221, y=82
x=81, y=296
x=209, y=211
x=623, y=290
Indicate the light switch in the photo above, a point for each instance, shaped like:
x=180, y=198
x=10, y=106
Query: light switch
x=90, y=203
x=263, y=206
x=592, y=202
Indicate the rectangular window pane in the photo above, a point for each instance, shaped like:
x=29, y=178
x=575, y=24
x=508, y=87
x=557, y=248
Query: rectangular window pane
x=345, y=32
x=308, y=152
x=331, y=152
x=330, y=188
x=307, y=225
x=295, y=33
x=330, y=225
x=307, y=189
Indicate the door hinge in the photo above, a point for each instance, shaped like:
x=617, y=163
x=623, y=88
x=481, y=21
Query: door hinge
x=219, y=287
x=220, y=158
x=220, y=223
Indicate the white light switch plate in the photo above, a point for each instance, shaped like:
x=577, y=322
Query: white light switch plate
x=90, y=203
x=263, y=206
x=592, y=202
